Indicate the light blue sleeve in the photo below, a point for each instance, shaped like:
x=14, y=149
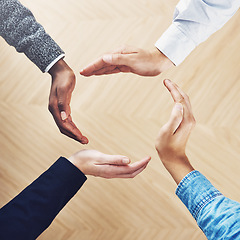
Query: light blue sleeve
x=193, y=22
x=217, y=216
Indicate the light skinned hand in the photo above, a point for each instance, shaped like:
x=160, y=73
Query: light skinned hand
x=92, y=162
x=129, y=59
x=63, y=83
x=173, y=136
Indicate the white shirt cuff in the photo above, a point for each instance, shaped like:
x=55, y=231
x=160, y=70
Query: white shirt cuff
x=175, y=44
x=53, y=62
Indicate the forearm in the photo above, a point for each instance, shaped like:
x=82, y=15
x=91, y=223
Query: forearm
x=178, y=167
x=33, y=210
x=20, y=29
x=193, y=23
x=216, y=215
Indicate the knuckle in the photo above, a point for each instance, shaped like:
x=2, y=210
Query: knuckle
x=157, y=142
x=164, y=131
x=95, y=66
x=61, y=131
x=123, y=48
x=107, y=177
x=50, y=107
x=194, y=122
x=180, y=99
x=118, y=57
x=63, y=86
x=67, y=84
x=132, y=175
x=191, y=121
x=60, y=104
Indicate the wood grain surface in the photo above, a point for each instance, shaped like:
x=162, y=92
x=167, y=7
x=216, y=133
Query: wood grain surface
x=120, y=114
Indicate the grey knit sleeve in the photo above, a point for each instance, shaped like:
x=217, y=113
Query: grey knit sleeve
x=20, y=29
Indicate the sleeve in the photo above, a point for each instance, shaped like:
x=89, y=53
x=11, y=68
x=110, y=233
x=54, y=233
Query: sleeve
x=193, y=22
x=217, y=216
x=27, y=215
x=20, y=29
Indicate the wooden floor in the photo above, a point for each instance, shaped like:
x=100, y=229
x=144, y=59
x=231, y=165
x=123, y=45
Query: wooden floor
x=121, y=114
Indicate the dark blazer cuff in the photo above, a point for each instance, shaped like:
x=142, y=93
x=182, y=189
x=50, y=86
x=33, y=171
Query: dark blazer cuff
x=68, y=172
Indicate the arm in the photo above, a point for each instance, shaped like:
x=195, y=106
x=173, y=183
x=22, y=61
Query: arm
x=193, y=23
x=21, y=30
x=32, y=211
x=129, y=59
x=216, y=215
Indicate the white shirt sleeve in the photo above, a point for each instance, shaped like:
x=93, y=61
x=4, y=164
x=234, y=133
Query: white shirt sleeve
x=193, y=22
x=54, y=61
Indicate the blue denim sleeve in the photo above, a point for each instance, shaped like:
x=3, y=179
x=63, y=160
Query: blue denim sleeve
x=217, y=216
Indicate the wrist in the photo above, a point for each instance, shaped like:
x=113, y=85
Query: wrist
x=162, y=61
x=177, y=166
x=75, y=162
x=59, y=67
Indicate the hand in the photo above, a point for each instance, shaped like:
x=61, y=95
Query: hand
x=63, y=83
x=129, y=59
x=92, y=162
x=173, y=136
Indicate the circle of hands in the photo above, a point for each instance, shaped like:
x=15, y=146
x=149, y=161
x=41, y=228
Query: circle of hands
x=173, y=136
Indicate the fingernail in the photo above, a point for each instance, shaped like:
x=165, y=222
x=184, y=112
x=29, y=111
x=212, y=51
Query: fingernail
x=125, y=160
x=84, y=141
x=63, y=116
x=107, y=58
x=167, y=81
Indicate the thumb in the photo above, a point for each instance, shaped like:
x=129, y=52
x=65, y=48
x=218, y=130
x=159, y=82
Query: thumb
x=64, y=108
x=63, y=104
x=175, y=118
x=117, y=59
x=116, y=160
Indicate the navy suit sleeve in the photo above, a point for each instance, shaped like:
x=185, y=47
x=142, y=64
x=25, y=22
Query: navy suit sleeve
x=32, y=211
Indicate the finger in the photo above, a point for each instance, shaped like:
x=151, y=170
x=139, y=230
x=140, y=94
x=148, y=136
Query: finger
x=106, y=159
x=102, y=71
x=125, y=49
x=132, y=175
x=176, y=95
x=124, y=69
x=67, y=127
x=83, y=139
x=175, y=118
x=131, y=168
x=93, y=67
x=185, y=96
x=116, y=70
x=188, y=114
x=118, y=59
x=63, y=101
x=111, y=171
x=188, y=121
